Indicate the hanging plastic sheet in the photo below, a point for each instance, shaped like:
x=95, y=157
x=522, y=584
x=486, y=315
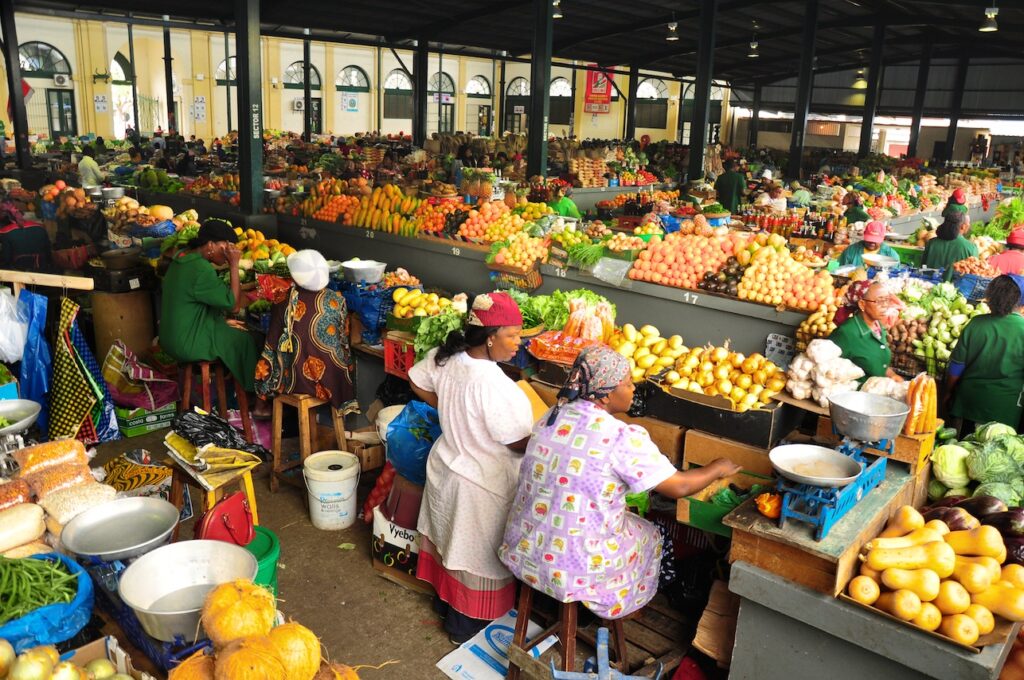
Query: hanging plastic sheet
x=13, y=329
x=36, y=361
x=103, y=417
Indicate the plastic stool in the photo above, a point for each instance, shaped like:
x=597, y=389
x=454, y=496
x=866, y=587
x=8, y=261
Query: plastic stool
x=222, y=396
x=180, y=478
x=306, y=406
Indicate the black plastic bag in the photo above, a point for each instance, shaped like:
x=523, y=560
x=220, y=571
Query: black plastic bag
x=201, y=430
x=394, y=391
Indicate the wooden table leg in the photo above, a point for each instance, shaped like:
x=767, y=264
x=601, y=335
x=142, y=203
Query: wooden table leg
x=275, y=446
x=222, y=391
x=567, y=633
x=523, y=611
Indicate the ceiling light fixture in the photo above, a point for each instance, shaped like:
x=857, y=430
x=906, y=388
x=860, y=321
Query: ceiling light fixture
x=752, y=53
x=673, y=33
x=558, y=9
x=989, y=25
x=860, y=83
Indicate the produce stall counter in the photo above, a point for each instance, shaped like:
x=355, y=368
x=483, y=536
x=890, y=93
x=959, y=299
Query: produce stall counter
x=908, y=224
x=458, y=267
x=207, y=208
x=587, y=198
x=785, y=630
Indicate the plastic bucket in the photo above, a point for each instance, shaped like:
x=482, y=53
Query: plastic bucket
x=384, y=418
x=266, y=549
x=332, y=478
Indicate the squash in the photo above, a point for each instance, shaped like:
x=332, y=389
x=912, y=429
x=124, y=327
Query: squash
x=922, y=582
x=972, y=576
x=929, y=618
x=1014, y=573
x=984, y=540
x=902, y=604
x=916, y=537
x=937, y=556
x=953, y=598
x=863, y=589
x=990, y=564
x=960, y=628
x=1002, y=599
x=904, y=520
x=983, y=617
x=872, y=574
x=938, y=526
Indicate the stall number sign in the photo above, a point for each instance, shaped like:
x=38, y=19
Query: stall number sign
x=257, y=126
x=350, y=103
x=443, y=98
x=518, y=109
x=100, y=103
x=199, y=107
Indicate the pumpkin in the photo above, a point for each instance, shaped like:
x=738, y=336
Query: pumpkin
x=161, y=212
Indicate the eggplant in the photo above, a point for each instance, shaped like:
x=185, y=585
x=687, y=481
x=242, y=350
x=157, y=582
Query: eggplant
x=957, y=519
x=981, y=506
x=1014, y=550
x=1010, y=523
x=947, y=502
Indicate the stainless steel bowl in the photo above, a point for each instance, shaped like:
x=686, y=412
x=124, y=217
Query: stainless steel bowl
x=867, y=417
x=21, y=412
x=814, y=465
x=166, y=588
x=121, y=529
x=112, y=193
x=363, y=271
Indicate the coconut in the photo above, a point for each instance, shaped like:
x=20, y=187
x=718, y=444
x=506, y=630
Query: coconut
x=237, y=609
x=199, y=666
x=250, y=658
x=298, y=648
x=336, y=671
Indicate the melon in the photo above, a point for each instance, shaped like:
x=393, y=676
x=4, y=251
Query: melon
x=161, y=212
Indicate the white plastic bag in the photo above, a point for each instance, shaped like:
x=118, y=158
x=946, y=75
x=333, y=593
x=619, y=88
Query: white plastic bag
x=820, y=350
x=13, y=329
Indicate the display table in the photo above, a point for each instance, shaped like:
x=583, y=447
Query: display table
x=908, y=224
x=788, y=631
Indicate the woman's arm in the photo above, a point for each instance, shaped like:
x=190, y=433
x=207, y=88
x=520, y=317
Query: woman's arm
x=424, y=395
x=233, y=255
x=691, y=481
x=519, y=446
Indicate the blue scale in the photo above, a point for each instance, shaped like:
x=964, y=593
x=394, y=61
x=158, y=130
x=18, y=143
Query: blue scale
x=822, y=507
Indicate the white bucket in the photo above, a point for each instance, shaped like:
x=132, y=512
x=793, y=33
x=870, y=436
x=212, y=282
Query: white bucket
x=332, y=478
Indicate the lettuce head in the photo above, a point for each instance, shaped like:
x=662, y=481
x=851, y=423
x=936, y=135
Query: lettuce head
x=949, y=465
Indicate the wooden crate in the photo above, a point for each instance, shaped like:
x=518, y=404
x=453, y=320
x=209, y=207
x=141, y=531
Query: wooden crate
x=698, y=510
x=701, y=448
x=913, y=450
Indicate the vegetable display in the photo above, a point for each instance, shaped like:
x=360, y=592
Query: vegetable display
x=989, y=462
x=28, y=584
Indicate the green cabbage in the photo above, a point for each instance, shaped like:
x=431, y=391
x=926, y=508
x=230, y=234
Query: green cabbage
x=993, y=463
x=936, y=490
x=1001, y=490
x=958, y=492
x=991, y=431
x=949, y=465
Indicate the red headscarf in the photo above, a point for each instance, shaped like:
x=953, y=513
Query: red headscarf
x=495, y=309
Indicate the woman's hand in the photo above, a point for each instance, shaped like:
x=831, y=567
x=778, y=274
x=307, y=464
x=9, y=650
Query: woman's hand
x=889, y=373
x=724, y=467
x=237, y=324
x=232, y=255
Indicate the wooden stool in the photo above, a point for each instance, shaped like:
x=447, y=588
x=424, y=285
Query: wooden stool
x=564, y=629
x=180, y=478
x=222, y=395
x=306, y=406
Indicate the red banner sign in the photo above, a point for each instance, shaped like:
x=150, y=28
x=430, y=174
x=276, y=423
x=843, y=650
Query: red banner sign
x=598, y=96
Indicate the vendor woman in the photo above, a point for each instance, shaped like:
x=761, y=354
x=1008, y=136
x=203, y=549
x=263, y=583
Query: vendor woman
x=562, y=204
x=874, y=235
x=473, y=468
x=855, y=211
x=194, y=323
x=1011, y=260
x=862, y=335
x=949, y=245
x=569, y=534
x=986, y=369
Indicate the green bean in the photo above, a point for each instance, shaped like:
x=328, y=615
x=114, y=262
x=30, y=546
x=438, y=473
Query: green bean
x=28, y=584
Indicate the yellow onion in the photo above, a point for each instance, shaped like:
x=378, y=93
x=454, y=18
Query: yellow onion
x=236, y=610
x=199, y=666
x=250, y=658
x=7, y=657
x=298, y=648
x=336, y=671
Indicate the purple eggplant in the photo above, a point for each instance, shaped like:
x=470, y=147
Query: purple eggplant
x=957, y=519
x=1014, y=550
x=1010, y=523
x=947, y=502
x=981, y=506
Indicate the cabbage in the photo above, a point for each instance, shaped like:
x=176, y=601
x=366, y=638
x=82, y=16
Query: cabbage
x=993, y=463
x=949, y=465
x=936, y=490
x=991, y=431
x=958, y=493
x=1001, y=490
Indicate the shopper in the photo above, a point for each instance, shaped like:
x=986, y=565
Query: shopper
x=986, y=370
x=1011, y=260
x=89, y=174
x=569, y=534
x=874, y=235
x=801, y=197
x=855, y=211
x=730, y=186
x=949, y=245
x=473, y=468
x=862, y=335
x=562, y=204
x=957, y=203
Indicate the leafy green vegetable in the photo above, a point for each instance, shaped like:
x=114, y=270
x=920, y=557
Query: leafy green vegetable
x=1007, y=217
x=433, y=330
x=554, y=308
x=4, y=422
x=993, y=431
x=992, y=463
x=1001, y=490
x=586, y=254
x=259, y=306
x=936, y=490
x=714, y=209
x=531, y=317
x=949, y=465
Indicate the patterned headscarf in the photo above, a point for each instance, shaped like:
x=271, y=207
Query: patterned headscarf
x=597, y=371
x=856, y=291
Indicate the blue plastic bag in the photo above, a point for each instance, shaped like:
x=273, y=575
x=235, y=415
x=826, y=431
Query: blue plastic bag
x=55, y=623
x=36, y=362
x=409, y=439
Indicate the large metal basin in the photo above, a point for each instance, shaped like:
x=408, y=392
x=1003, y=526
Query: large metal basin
x=814, y=465
x=867, y=417
x=22, y=413
x=121, y=529
x=166, y=587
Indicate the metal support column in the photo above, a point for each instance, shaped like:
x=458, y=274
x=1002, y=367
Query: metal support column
x=540, y=99
x=634, y=77
x=958, y=101
x=172, y=123
x=13, y=62
x=420, y=68
x=380, y=89
x=250, y=104
x=805, y=86
x=501, y=101
x=227, y=78
x=134, y=80
x=702, y=92
x=307, y=87
x=923, y=70
x=874, y=90
x=755, y=117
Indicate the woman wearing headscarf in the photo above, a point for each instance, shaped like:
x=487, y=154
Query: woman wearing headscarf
x=307, y=350
x=569, y=534
x=949, y=245
x=986, y=369
x=473, y=466
x=1011, y=260
x=855, y=211
x=873, y=242
x=861, y=330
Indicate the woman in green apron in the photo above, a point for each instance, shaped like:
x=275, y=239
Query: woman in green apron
x=949, y=245
x=862, y=336
x=986, y=370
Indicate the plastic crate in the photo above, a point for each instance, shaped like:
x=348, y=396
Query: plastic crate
x=399, y=354
x=909, y=365
x=504, y=278
x=909, y=256
x=972, y=286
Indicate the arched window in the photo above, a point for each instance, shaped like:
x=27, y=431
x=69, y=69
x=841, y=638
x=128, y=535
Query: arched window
x=519, y=87
x=398, y=80
x=560, y=87
x=39, y=60
x=294, y=76
x=441, y=82
x=225, y=72
x=352, y=79
x=398, y=100
x=652, y=88
x=478, y=86
x=652, y=103
x=121, y=70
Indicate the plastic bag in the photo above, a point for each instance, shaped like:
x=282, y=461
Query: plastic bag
x=368, y=303
x=13, y=329
x=409, y=439
x=55, y=623
x=36, y=362
x=66, y=504
x=211, y=430
x=612, y=271
x=50, y=454
x=48, y=480
x=13, y=492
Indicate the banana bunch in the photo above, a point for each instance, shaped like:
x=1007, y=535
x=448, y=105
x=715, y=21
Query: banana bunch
x=648, y=352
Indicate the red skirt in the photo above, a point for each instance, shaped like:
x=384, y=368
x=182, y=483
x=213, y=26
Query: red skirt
x=474, y=596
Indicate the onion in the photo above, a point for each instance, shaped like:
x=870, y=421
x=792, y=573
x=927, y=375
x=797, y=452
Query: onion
x=48, y=651
x=67, y=671
x=236, y=610
x=199, y=666
x=250, y=658
x=31, y=667
x=298, y=648
x=7, y=657
x=101, y=669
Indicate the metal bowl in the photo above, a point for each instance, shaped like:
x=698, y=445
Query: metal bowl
x=121, y=529
x=112, y=193
x=363, y=271
x=21, y=412
x=867, y=417
x=814, y=465
x=880, y=261
x=166, y=588
x=121, y=258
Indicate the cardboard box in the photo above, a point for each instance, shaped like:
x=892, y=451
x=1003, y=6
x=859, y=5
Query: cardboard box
x=701, y=448
x=133, y=422
x=716, y=630
x=485, y=656
x=395, y=551
x=108, y=648
x=371, y=456
x=698, y=510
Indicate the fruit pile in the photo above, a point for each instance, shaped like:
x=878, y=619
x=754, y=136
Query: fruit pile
x=724, y=282
x=976, y=266
x=568, y=236
x=820, y=324
x=341, y=208
x=520, y=251
x=410, y=303
x=531, y=212
x=399, y=277
x=649, y=354
x=748, y=382
x=638, y=178
x=75, y=203
x=127, y=211
x=211, y=186
x=389, y=210
x=648, y=229
x=255, y=246
x=433, y=217
x=640, y=198
x=620, y=243
x=683, y=260
x=491, y=222
x=775, y=278
x=598, y=230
